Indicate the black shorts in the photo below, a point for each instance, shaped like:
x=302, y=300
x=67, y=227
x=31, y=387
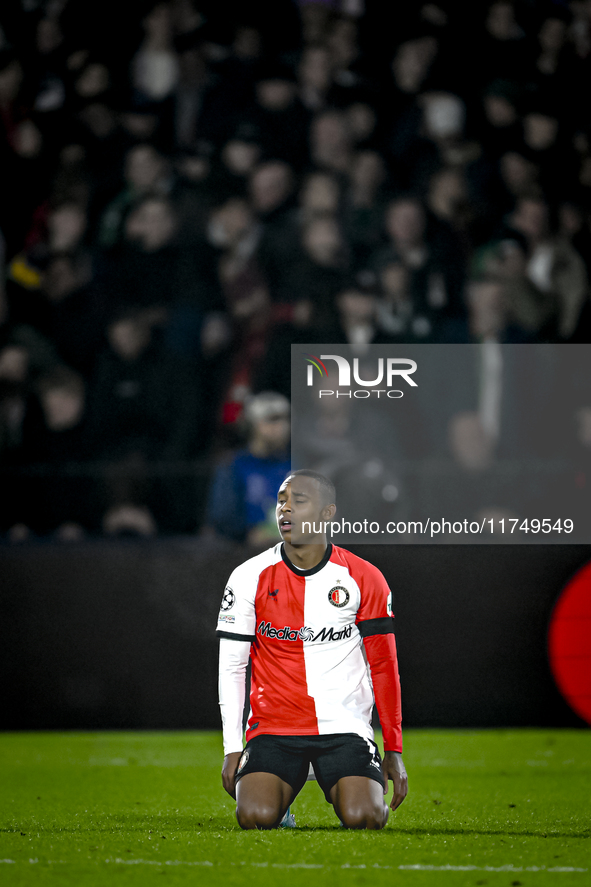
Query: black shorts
x=332, y=757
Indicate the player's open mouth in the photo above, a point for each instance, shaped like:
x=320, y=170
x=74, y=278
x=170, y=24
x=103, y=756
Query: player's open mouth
x=285, y=524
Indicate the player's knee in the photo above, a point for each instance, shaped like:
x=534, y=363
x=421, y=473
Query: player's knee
x=262, y=816
x=371, y=816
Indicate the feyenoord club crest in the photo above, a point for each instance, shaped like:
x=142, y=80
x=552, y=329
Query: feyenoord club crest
x=338, y=596
x=228, y=599
x=243, y=760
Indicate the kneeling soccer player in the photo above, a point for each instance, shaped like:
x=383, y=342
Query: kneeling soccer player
x=303, y=612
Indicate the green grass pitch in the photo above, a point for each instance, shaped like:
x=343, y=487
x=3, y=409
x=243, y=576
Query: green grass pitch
x=498, y=807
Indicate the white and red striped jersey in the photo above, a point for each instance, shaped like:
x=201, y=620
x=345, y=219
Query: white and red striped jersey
x=312, y=635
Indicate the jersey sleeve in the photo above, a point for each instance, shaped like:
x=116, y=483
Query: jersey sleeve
x=375, y=621
x=236, y=619
x=233, y=660
x=383, y=665
x=374, y=615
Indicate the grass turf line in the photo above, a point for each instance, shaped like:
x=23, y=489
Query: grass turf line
x=485, y=807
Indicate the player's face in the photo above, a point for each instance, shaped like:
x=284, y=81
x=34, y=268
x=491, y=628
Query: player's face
x=298, y=500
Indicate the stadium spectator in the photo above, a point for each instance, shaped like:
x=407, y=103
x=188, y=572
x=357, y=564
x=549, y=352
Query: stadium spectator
x=71, y=316
x=234, y=229
x=364, y=205
x=501, y=131
x=553, y=266
x=155, y=68
x=358, y=323
x=271, y=187
x=23, y=170
x=331, y=144
x=152, y=268
x=274, y=372
x=362, y=121
x=504, y=50
x=280, y=116
x=319, y=195
x=448, y=198
x=440, y=140
x=57, y=231
x=432, y=258
x=314, y=77
x=410, y=66
x=139, y=403
x=315, y=18
x=397, y=316
x=55, y=436
x=551, y=151
x=14, y=390
x=272, y=198
x=238, y=158
x=573, y=226
x=144, y=408
x=190, y=97
x=242, y=496
x=324, y=267
x=488, y=313
x=146, y=173
x=554, y=64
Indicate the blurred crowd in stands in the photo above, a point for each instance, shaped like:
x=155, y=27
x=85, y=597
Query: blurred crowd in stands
x=188, y=187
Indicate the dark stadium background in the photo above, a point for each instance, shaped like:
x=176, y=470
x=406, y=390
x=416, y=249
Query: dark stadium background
x=120, y=634
x=186, y=188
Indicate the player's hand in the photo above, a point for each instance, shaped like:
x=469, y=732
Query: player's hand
x=229, y=772
x=393, y=768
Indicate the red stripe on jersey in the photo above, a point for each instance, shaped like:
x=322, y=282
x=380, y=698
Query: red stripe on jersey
x=279, y=698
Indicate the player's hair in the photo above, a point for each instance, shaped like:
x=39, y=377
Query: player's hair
x=327, y=488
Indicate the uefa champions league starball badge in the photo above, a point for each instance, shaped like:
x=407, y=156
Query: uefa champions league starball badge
x=228, y=599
